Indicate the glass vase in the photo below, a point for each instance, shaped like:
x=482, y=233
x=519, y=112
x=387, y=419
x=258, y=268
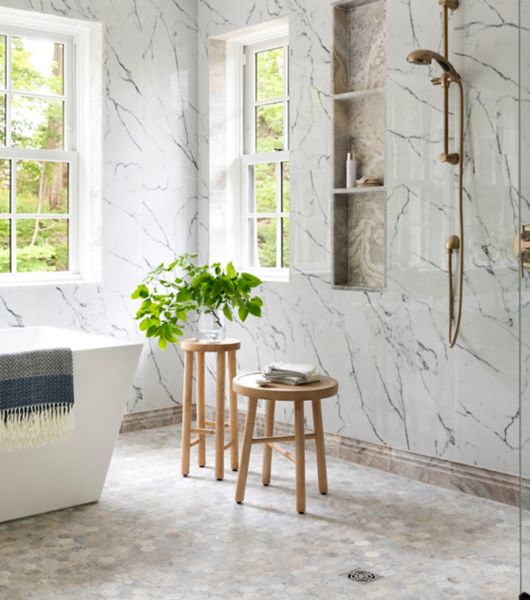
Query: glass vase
x=211, y=326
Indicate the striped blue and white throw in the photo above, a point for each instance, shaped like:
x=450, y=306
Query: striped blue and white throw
x=36, y=397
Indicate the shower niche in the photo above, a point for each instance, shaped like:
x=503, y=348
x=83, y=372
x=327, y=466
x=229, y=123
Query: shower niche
x=359, y=124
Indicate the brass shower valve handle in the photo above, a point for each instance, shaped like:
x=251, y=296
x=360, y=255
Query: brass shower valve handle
x=452, y=159
x=451, y=4
x=436, y=81
x=521, y=248
x=525, y=234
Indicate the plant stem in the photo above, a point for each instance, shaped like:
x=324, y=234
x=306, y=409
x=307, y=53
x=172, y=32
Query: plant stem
x=217, y=319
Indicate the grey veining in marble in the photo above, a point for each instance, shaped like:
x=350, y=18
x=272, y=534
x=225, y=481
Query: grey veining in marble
x=155, y=535
x=366, y=243
x=367, y=46
x=150, y=172
x=400, y=385
x=366, y=128
x=359, y=239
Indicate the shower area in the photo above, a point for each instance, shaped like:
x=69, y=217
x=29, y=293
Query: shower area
x=464, y=356
x=522, y=247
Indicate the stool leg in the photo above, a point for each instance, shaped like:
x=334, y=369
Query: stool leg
x=201, y=456
x=320, y=447
x=245, y=453
x=300, y=455
x=267, y=450
x=186, y=413
x=220, y=418
x=234, y=448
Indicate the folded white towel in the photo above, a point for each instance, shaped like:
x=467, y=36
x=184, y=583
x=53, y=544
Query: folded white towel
x=291, y=373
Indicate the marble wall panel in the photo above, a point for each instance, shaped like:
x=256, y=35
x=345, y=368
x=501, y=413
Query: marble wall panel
x=400, y=385
x=150, y=171
x=367, y=46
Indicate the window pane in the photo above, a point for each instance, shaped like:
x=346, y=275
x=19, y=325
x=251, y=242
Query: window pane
x=5, y=254
x=42, y=187
x=5, y=185
x=285, y=243
x=286, y=187
x=269, y=74
x=3, y=62
x=2, y=119
x=266, y=241
x=37, y=123
x=265, y=187
x=269, y=128
x=42, y=245
x=37, y=66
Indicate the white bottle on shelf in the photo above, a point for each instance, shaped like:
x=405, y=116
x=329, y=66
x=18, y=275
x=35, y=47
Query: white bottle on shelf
x=351, y=170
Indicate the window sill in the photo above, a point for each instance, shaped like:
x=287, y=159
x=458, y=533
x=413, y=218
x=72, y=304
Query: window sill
x=270, y=275
x=55, y=280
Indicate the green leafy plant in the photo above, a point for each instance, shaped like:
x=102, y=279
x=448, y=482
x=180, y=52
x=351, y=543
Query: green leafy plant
x=171, y=292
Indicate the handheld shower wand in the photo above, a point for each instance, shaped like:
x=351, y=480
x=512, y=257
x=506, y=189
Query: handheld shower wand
x=455, y=243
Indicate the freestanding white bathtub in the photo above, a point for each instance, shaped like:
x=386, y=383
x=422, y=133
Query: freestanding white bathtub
x=72, y=471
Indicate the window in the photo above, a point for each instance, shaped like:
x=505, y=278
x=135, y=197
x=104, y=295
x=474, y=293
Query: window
x=265, y=201
x=37, y=165
x=42, y=118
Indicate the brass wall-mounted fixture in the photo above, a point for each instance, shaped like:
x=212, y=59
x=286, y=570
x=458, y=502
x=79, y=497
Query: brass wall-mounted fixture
x=521, y=248
x=456, y=242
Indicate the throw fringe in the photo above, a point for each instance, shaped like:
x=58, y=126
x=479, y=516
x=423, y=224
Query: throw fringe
x=34, y=426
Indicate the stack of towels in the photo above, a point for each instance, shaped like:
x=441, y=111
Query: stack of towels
x=290, y=373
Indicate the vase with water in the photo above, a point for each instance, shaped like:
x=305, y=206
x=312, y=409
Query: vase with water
x=211, y=326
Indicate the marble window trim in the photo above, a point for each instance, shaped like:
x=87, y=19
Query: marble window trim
x=231, y=79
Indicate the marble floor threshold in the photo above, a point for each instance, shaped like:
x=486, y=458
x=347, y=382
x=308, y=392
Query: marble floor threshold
x=156, y=535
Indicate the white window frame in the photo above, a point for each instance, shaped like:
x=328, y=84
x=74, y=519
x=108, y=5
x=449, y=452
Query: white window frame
x=82, y=151
x=233, y=243
x=247, y=244
x=251, y=158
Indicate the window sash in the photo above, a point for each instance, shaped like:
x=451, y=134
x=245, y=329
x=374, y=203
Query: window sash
x=251, y=103
x=68, y=155
x=248, y=161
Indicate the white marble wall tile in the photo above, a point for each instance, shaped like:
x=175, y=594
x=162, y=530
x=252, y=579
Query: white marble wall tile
x=149, y=180
x=399, y=383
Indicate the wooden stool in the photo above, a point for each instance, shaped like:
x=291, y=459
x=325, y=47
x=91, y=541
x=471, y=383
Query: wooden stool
x=204, y=427
x=246, y=386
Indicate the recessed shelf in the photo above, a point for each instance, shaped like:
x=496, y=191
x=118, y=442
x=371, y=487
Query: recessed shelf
x=359, y=116
x=346, y=4
x=348, y=96
x=358, y=288
x=360, y=189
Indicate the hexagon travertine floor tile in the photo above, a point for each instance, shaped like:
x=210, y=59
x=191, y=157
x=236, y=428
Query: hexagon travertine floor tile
x=157, y=535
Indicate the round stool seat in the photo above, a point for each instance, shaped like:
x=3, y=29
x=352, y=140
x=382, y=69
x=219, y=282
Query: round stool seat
x=195, y=345
x=246, y=386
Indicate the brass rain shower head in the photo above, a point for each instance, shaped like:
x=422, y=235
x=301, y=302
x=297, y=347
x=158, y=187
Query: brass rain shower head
x=425, y=57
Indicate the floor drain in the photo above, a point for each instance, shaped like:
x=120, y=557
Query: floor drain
x=362, y=576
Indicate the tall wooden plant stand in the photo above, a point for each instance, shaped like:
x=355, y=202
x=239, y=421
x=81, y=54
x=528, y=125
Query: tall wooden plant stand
x=226, y=353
